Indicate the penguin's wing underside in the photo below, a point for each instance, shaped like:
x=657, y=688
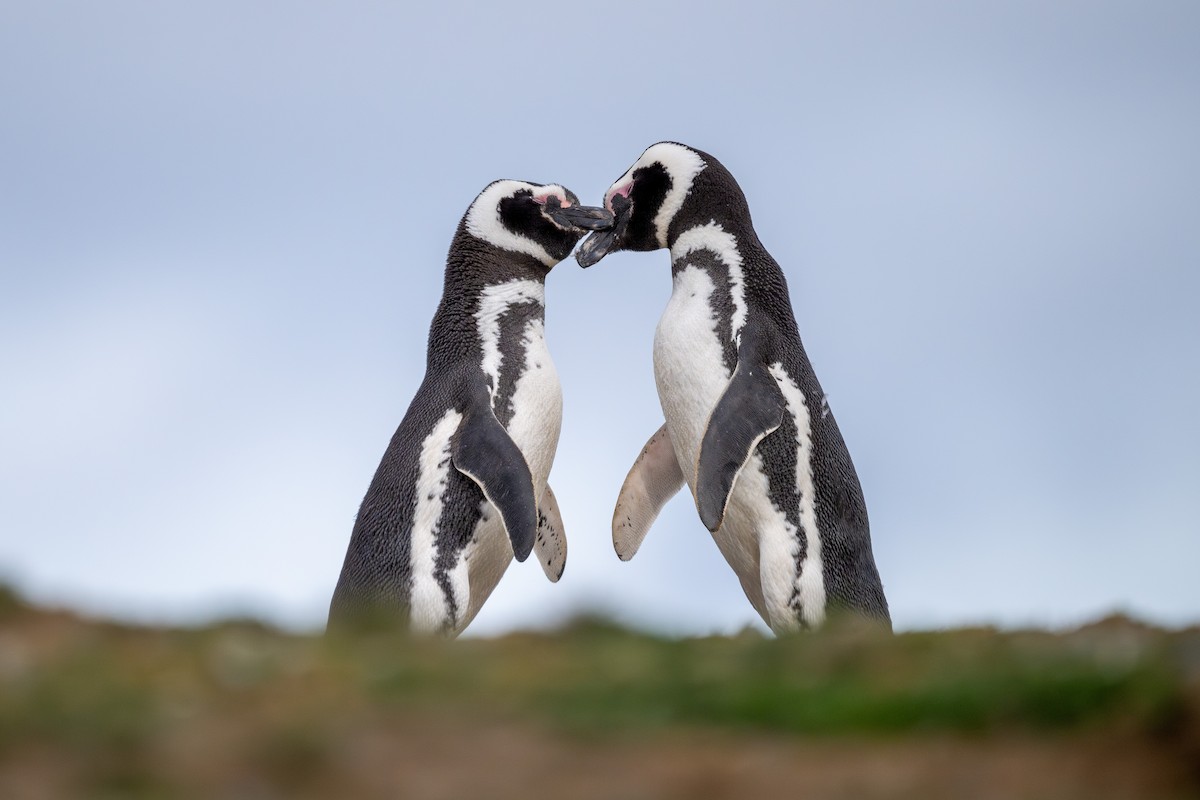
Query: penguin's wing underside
x=652, y=480
x=551, y=542
x=751, y=408
x=482, y=450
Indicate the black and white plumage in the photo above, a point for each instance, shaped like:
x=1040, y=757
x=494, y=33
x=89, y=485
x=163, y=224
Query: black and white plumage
x=747, y=425
x=462, y=486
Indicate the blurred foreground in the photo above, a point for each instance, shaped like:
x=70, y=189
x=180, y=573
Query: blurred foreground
x=97, y=709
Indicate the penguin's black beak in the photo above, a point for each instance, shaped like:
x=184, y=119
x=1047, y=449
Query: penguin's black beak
x=603, y=242
x=582, y=218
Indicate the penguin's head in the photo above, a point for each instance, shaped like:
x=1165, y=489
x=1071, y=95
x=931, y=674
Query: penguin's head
x=543, y=221
x=646, y=200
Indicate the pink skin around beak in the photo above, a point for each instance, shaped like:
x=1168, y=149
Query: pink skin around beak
x=541, y=199
x=622, y=190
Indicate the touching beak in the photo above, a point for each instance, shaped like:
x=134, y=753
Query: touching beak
x=584, y=218
x=604, y=241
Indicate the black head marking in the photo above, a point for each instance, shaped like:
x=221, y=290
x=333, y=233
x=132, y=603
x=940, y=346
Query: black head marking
x=522, y=214
x=541, y=221
x=650, y=186
x=656, y=187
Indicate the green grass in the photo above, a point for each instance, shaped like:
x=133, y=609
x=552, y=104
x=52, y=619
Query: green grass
x=118, y=711
x=834, y=682
x=108, y=686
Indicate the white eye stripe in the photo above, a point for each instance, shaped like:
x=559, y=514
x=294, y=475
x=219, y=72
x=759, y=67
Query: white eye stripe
x=683, y=164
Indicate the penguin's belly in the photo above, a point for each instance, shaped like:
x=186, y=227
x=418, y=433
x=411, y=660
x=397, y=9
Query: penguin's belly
x=691, y=375
x=537, y=406
x=534, y=426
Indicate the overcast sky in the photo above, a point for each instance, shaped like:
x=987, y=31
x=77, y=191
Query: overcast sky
x=223, y=228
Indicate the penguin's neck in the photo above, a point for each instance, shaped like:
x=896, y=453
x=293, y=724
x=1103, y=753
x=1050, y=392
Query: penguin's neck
x=478, y=283
x=731, y=243
x=482, y=287
x=728, y=248
x=473, y=264
x=707, y=215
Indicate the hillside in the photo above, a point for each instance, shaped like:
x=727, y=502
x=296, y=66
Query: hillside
x=96, y=709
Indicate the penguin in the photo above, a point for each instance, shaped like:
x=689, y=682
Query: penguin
x=747, y=425
x=462, y=486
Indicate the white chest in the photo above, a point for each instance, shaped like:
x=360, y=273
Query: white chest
x=688, y=365
x=755, y=538
x=537, y=405
x=690, y=371
x=537, y=395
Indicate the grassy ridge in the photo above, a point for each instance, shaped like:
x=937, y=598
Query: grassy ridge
x=590, y=677
x=124, y=711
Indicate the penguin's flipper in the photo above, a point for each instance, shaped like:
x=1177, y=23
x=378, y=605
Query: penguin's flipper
x=652, y=480
x=551, y=542
x=751, y=408
x=482, y=450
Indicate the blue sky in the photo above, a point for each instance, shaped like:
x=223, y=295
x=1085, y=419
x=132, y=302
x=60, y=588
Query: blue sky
x=223, y=228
